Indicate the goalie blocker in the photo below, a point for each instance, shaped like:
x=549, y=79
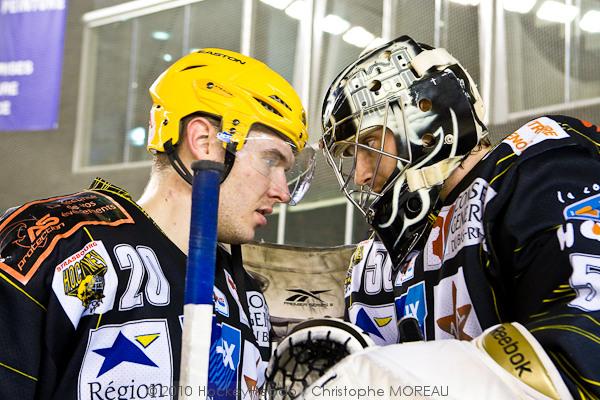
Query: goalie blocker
x=505, y=362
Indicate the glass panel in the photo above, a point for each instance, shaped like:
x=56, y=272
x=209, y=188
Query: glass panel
x=276, y=35
x=130, y=56
x=460, y=35
x=159, y=41
x=335, y=52
x=535, y=53
x=216, y=23
x=317, y=227
x=111, y=78
x=360, y=230
x=415, y=18
x=585, y=53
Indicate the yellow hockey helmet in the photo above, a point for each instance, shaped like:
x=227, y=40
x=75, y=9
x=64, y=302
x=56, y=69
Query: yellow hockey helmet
x=240, y=90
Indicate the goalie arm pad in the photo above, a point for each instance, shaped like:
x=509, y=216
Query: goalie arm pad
x=505, y=362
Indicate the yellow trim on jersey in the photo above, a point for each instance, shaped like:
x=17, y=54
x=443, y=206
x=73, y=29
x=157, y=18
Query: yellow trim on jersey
x=590, y=381
x=88, y=233
x=33, y=378
x=573, y=378
x=495, y=304
x=595, y=321
x=22, y=291
x=565, y=126
x=539, y=314
x=98, y=323
x=502, y=173
x=569, y=328
x=559, y=298
x=505, y=158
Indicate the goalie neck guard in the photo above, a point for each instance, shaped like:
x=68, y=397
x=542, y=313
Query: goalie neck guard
x=425, y=104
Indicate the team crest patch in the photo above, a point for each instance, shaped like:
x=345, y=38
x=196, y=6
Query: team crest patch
x=133, y=359
x=30, y=234
x=85, y=283
x=534, y=132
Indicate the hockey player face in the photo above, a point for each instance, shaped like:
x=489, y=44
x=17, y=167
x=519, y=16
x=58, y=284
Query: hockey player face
x=256, y=183
x=373, y=167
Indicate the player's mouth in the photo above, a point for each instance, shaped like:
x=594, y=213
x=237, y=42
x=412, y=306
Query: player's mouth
x=262, y=214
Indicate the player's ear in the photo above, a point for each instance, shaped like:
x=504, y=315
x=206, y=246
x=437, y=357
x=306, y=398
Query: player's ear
x=201, y=140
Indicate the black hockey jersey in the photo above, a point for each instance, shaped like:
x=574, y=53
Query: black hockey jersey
x=92, y=305
x=517, y=240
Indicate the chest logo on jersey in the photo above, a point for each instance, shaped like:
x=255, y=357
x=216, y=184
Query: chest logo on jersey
x=132, y=359
x=85, y=283
x=259, y=318
x=534, y=132
x=30, y=234
x=224, y=360
x=455, y=317
x=458, y=225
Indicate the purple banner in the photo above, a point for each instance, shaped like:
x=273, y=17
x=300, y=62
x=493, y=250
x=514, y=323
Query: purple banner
x=31, y=53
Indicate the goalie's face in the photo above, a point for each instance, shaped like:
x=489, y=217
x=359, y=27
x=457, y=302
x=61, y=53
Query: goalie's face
x=374, y=159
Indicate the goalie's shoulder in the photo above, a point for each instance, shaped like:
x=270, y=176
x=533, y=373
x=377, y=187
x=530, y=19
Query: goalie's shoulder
x=550, y=132
x=30, y=233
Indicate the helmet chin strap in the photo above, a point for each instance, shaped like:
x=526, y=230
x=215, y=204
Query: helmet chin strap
x=185, y=173
x=430, y=176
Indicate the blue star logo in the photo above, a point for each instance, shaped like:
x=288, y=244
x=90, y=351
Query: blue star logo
x=122, y=350
x=364, y=321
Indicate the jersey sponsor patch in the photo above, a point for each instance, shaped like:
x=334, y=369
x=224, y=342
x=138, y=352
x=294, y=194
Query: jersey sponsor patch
x=220, y=301
x=455, y=317
x=85, y=283
x=378, y=321
x=534, y=132
x=458, y=225
x=585, y=280
x=259, y=318
x=224, y=360
x=413, y=304
x=30, y=234
x=133, y=360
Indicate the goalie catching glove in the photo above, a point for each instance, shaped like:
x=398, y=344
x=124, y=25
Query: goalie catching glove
x=505, y=362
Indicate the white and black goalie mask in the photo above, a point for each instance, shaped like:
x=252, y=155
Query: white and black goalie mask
x=406, y=115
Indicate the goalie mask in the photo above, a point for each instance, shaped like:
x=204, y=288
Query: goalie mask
x=396, y=123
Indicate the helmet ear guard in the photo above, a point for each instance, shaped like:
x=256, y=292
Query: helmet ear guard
x=431, y=104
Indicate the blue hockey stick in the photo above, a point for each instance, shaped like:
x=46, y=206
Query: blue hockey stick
x=200, y=278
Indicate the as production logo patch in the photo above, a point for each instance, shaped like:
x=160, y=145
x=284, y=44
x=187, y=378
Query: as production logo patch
x=134, y=358
x=85, y=283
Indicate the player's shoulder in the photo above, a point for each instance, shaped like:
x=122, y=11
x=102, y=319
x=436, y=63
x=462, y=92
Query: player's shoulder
x=30, y=233
x=550, y=132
